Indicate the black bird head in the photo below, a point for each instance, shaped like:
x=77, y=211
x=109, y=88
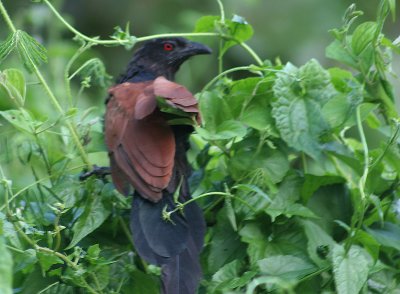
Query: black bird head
x=162, y=57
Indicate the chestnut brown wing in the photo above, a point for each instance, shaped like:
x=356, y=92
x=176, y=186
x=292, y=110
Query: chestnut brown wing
x=140, y=142
x=177, y=94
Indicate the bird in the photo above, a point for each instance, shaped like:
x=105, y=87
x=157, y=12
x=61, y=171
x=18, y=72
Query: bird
x=148, y=159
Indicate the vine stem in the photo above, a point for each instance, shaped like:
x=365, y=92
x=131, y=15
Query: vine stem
x=67, y=78
x=252, y=53
x=216, y=78
x=222, y=10
x=14, y=196
x=180, y=206
x=253, y=68
x=71, y=127
x=7, y=189
x=119, y=42
x=97, y=41
x=55, y=253
x=7, y=18
x=363, y=179
x=357, y=222
x=50, y=93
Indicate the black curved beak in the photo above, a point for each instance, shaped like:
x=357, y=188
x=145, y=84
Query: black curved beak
x=194, y=48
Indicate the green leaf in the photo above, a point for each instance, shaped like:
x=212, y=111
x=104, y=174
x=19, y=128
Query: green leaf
x=300, y=95
x=57, y=288
x=95, y=69
x=30, y=51
x=317, y=239
x=230, y=277
x=35, y=282
x=312, y=183
x=271, y=164
x=93, y=251
x=142, y=283
x=102, y=273
x=227, y=130
x=387, y=235
x=12, y=81
x=363, y=36
x=47, y=260
x=217, y=119
x=236, y=30
x=255, y=203
x=350, y=270
x=369, y=243
x=214, y=110
x=289, y=209
x=365, y=110
x=207, y=23
x=6, y=47
x=6, y=265
x=337, y=51
x=284, y=202
x=20, y=119
x=25, y=261
x=287, y=267
x=257, y=116
x=252, y=188
x=226, y=245
x=239, y=30
x=340, y=110
x=67, y=189
x=241, y=93
x=271, y=283
x=255, y=234
x=75, y=277
x=230, y=213
x=340, y=79
x=122, y=36
x=392, y=7
x=94, y=214
x=249, y=100
x=8, y=231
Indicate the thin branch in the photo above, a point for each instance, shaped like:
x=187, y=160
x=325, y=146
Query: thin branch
x=7, y=18
x=222, y=10
x=14, y=196
x=252, y=53
x=97, y=41
x=49, y=92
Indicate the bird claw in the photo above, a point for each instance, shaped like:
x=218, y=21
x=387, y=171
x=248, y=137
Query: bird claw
x=98, y=171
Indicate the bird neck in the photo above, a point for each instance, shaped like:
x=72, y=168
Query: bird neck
x=139, y=72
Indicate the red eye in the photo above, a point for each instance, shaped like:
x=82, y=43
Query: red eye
x=168, y=47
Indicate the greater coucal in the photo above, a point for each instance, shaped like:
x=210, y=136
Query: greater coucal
x=148, y=154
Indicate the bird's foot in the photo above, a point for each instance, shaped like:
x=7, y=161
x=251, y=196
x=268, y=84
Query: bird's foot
x=98, y=171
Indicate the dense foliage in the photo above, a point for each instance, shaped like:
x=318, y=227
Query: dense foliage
x=296, y=168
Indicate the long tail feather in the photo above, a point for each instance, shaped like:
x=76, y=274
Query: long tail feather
x=182, y=274
x=175, y=246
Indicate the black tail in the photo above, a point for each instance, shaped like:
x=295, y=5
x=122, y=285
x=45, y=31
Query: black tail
x=174, y=245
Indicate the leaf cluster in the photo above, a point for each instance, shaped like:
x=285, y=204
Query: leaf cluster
x=296, y=169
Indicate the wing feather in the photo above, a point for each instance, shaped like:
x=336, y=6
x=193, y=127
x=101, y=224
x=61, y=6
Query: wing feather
x=141, y=144
x=140, y=141
x=175, y=93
